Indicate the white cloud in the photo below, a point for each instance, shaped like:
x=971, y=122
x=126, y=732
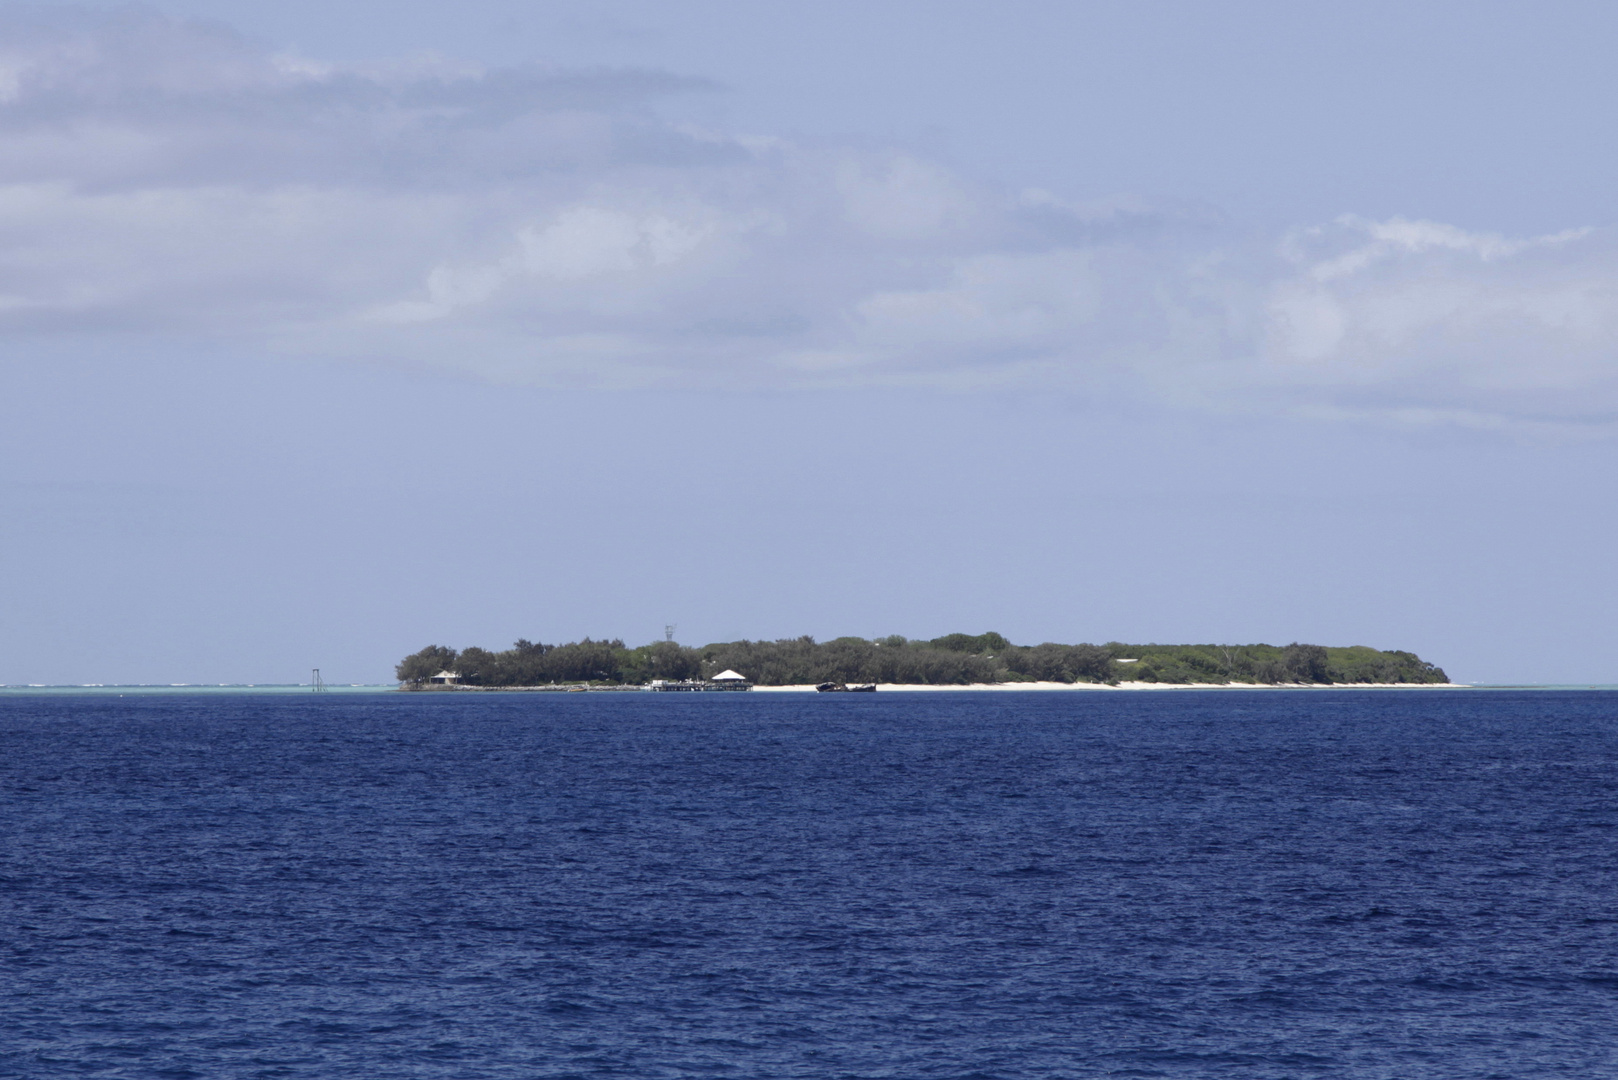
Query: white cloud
x=577, y=244
x=1430, y=316
x=537, y=226
x=903, y=199
x=587, y=241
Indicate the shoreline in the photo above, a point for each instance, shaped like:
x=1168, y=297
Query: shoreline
x=1128, y=686
x=1014, y=687
x=284, y=689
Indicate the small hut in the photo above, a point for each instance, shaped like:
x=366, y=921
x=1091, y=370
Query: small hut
x=731, y=680
x=445, y=678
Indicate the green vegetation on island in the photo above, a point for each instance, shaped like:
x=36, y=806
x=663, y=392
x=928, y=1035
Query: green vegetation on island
x=951, y=660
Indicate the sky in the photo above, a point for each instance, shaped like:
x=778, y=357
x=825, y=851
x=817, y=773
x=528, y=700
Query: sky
x=331, y=331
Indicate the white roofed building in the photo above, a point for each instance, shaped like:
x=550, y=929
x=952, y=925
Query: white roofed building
x=730, y=680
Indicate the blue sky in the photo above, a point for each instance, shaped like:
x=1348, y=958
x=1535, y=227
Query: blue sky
x=331, y=331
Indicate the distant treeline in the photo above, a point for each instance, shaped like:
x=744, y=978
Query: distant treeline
x=952, y=660
x=529, y=664
x=1293, y=663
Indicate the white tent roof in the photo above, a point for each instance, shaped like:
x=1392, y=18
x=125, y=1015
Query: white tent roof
x=446, y=675
x=729, y=675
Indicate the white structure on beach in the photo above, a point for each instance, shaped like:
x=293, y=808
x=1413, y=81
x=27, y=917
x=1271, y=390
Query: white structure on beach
x=729, y=676
x=445, y=678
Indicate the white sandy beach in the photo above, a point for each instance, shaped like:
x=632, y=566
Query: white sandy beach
x=1138, y=686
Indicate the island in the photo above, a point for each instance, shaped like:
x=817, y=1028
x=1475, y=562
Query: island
x=951, y=660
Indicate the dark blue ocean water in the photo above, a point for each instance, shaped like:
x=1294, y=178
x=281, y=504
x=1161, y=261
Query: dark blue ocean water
x=1200, y=884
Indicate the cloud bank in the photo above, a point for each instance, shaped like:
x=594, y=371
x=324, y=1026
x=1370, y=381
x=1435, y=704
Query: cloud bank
x=542, y=227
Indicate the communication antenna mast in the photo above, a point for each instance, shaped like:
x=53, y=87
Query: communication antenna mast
x=320, y=684
x=668, y=632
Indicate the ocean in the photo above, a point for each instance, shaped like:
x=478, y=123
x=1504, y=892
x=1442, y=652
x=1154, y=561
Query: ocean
x=1265, y=884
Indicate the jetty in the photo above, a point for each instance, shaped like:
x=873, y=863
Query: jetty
x=725, y=681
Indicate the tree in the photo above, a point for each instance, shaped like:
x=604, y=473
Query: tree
x=586, y=661
x=663, y=660
x=990, y=642
x=478, y=667
x=1271, y=671
x=418, y=667
x=1307, y=663
x=1052, y=662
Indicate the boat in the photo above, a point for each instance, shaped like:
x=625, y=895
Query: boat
x=846, y=688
